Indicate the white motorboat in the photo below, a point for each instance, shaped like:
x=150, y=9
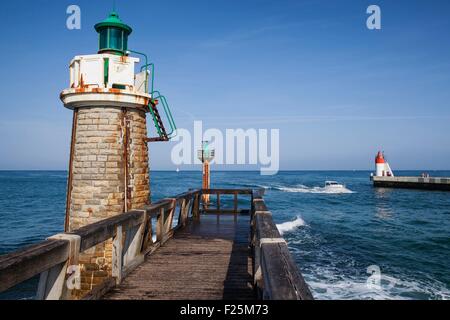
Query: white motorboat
x=333, y=185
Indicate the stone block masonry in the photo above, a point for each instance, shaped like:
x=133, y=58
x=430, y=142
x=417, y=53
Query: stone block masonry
x=109, y=175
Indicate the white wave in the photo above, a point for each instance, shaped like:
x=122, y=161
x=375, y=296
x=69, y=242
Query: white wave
x=323, y=190
x=260, y=186
x=291, y=225
x=327, y=285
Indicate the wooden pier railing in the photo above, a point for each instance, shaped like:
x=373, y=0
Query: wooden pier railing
x=276, y=275
x=139, y=233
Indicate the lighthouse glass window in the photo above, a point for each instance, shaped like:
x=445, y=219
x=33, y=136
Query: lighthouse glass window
x=113, y=38
x=116, y=39
x=104, y=39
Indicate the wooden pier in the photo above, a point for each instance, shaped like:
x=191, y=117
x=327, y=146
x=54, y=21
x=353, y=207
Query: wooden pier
x=178, y=248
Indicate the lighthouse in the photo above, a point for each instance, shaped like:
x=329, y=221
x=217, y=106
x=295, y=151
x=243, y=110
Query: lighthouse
x=108, y=167
x=382, y=168
x=108, y=171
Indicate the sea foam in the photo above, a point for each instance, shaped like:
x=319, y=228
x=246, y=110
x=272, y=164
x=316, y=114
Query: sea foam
x=327, y=285
x=291, y=225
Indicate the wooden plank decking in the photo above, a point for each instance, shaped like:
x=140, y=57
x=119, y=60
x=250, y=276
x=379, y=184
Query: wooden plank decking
x=207, y=254
x=208, y=259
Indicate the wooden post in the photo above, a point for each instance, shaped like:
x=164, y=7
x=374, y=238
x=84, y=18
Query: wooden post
x=117, y=255
x=160, y=225
x=55, y=284
x=148, y=233
x=218, y=207
x=51, y=283
x=252, y=209
x=184, y=211
x=196, y=207
x=169, y=219
x=133, y=245
x=235, y=206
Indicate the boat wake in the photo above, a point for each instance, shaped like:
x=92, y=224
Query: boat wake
x=299, y=189
x=322, y=190
x=291, y=225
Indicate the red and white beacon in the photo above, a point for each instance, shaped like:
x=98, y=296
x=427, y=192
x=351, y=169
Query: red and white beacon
x=382, y=167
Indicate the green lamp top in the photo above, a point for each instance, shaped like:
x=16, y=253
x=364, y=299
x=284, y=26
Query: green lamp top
x=113, y=21
x=113, y=35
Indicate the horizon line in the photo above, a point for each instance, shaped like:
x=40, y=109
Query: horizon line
x=252, y=170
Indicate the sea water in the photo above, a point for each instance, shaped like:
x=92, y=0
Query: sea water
x=353, y=243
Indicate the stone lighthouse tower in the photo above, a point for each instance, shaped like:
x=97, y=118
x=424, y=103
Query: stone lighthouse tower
x=108, y=171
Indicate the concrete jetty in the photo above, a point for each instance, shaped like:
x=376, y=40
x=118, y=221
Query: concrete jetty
x=384, y=178
x=428, y=183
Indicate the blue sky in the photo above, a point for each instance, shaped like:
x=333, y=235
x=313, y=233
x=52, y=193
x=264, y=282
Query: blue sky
x=337, y=91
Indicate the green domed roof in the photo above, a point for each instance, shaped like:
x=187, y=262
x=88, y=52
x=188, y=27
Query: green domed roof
x=113, y=21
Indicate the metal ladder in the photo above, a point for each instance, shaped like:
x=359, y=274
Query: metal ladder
x=156, y=97
x=163, y=135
